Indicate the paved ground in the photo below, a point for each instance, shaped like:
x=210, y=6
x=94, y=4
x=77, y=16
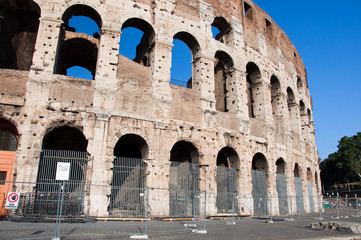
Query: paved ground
x=247, y=228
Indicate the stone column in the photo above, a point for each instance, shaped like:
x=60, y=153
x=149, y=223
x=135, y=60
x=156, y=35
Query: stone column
x=46, y=45
x=100, y=169
x=108, y=53
x=161, y=61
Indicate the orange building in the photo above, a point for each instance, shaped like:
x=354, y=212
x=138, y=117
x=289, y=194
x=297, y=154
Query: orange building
x=8, y=146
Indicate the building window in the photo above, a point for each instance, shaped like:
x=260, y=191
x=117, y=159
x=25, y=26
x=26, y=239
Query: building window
x=2, y=177
x=8, y=140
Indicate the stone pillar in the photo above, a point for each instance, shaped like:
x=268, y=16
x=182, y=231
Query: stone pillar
x=46, y=44
x=108, y=53
x=203, y=81
x=240, y=94
x=294, y=117
x=259, y=95
x=100, y=173
x=161, y=61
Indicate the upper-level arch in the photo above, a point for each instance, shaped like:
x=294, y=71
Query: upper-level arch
x=276, y=97
x=221, y=29
x=253, y=80
x=223, y=91
x=76, y=47
x=186, y=67
x=19, y=23
x=137, y=40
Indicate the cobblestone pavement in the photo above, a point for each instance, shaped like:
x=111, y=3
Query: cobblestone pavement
x=246, y=228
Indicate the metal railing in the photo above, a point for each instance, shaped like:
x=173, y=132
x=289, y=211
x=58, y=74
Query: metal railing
x=63, y=212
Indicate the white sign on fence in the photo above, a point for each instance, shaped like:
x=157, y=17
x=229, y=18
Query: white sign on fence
x=62, y=171
x=12, y=201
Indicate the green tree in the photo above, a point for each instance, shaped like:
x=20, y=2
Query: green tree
x=343, y=165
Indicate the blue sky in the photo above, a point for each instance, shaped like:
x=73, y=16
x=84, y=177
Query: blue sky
x=327, y=35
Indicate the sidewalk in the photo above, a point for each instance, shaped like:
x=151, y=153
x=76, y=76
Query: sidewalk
x=257, y=229
x=247, y=228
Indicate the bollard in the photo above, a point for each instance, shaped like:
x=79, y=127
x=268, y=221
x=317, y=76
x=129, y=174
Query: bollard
x=346, y=206
x=270, y=211
x=356, y=205
x=320, y=207
x=291, y=219
x=337, y=207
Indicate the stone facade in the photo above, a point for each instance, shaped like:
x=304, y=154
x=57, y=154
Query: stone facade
x=249, y=92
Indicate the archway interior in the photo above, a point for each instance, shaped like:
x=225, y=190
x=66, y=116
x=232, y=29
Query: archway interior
x=226, y=178
x=276, y=97
x=183, y=179
x=310, y=189
x=253, y=77
x=129, y=172
x=298, y=189
x=259, y=184
x=281, y=186
x=67, y=145
x=222, y=68
x=63, y=162
x=19, y=23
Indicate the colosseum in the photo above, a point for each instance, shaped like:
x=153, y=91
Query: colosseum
x=239, y=130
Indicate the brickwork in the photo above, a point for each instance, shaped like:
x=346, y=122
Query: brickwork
x=126, y=97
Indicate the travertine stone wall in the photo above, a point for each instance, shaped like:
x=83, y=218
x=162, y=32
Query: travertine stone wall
x=128, y=98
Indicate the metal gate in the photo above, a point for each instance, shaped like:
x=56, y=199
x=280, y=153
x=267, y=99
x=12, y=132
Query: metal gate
x=310, y=196
x=281, y=186
x=299, y=195
x=43, y=202
x=183, y=189
x=127, y=193
x=259, y=193
x=226, y=190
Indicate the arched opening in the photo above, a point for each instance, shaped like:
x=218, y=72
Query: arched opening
x=223, y=68
x=79, y=42
x=292, y=108
x=19, y=23
x=281, y=186
x=276, y=97
x=136, y=41
x=300, y=86
x=8, y=147
x=128, y=180
x=184, y=52
x=304, y=119
x=253, y=91
x=221, y=29
x=316, y=182
x=63, y=161
x=309, y=118
x=259, y=184
x=310, y=189
x=298, y=189
x=184, y=180
x=226, y=178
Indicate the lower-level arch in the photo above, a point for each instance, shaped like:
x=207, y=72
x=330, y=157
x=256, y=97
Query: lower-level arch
x=184, y=180
x=259, y=184
x=62, y=165
x=281, y=187
x=226, y=178
x=129, y=175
